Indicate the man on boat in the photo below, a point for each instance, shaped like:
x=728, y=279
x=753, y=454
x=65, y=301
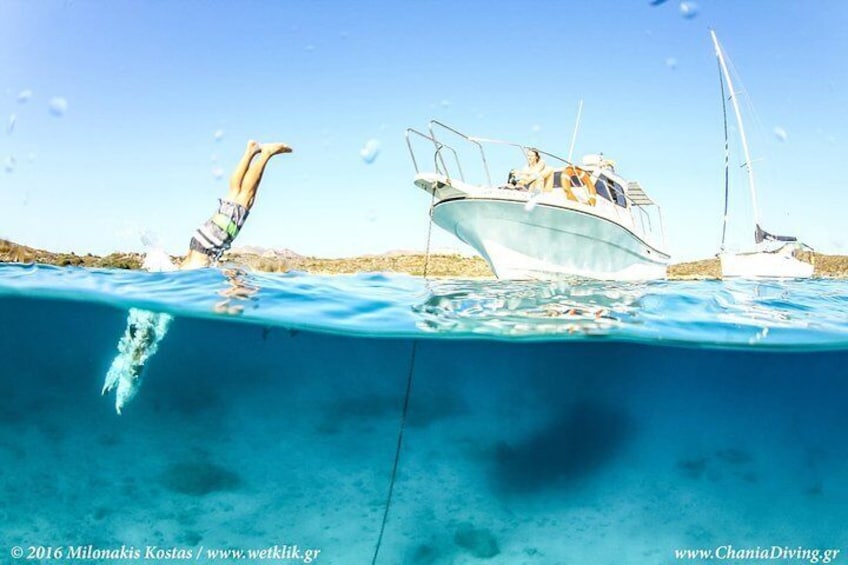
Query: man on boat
x=146, y=329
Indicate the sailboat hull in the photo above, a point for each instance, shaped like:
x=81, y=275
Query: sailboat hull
x=761, y=264
x=548, y=242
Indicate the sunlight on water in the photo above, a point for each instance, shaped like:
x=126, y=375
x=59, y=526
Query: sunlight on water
x=58, y=106
x=797, y=314
x=370, y=151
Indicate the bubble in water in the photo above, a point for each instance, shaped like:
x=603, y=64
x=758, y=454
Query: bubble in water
x=31, y=157
x=310, y=48
x=671, y=63
x=445, y=103
x=536, y=128
x=372, y=215
x=58, y=106
x=780, y=134
x=24, y=95
x=657, y=2
x=10, y=127
x=370, y=151
x=9, y=164
x=688, y=10
x=219, y=135
x=217, y=172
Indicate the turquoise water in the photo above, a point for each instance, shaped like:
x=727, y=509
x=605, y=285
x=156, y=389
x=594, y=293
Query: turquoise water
x=547, y=423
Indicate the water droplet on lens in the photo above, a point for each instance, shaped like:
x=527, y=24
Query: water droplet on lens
x=688, y=10
x=9, y=164
x=780, y=134
x=370, y=151
x=219, y=135
x=10, y=127
x=671, y=63
x=58, y=106
x=24, y=95
x=217, y=172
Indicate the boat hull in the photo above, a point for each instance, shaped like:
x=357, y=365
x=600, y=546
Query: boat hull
x=764, y=265
x=549, y=242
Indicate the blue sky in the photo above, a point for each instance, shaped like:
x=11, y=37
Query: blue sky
x=147, y=85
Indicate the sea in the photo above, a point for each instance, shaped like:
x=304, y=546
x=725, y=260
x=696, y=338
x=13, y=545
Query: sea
x=384, y=418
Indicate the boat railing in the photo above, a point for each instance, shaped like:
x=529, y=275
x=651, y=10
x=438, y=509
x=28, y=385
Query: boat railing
x=437, y=130
x=438, y=158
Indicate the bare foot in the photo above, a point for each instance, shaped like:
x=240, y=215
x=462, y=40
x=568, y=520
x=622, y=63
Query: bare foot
x=270, y=149
x=253, y=147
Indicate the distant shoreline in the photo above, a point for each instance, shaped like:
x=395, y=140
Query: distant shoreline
x=438, y=264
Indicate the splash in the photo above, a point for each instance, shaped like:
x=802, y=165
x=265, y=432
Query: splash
x=58, y=106
x=370, y=151
x=689, y=10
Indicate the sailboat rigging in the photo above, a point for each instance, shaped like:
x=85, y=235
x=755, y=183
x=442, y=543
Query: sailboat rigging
x=774, y=256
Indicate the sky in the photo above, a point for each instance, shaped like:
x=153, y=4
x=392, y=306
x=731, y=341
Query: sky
x=127, y=117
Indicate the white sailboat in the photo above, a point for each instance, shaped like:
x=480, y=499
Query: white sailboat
x=772, y=256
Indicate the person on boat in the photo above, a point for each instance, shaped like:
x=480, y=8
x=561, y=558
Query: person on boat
x=535, y=175
x=146, y=329
x=214, y=237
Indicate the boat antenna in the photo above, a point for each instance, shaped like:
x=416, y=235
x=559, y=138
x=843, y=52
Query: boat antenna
x=576, y=126
x=726, y=159
x=747, y=165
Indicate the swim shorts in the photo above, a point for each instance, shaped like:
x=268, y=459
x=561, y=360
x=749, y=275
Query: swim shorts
x=217, y=234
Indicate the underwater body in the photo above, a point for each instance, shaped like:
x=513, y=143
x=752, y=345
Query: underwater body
x=543, y=422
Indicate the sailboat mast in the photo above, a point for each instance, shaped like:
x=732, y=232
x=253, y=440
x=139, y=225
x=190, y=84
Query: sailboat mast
x=748, y=168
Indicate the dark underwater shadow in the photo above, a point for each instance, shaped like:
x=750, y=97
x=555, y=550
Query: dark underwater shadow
x=580, y=441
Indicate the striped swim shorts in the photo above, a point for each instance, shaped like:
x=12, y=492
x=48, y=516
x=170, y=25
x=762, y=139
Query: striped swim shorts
x=217, y=234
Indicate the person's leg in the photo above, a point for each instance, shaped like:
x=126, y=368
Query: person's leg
x=238, y=174
x=250, y=183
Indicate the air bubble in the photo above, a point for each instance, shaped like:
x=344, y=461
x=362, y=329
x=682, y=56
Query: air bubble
x=445, y=103
x=688, y=10
x=9, y=164
x=780, y=134
x=671, y=63
x=58, y=106
x=370, y=151
x=219, y=135
x=217, y=172
x=10, y=126
x=536, y=128
x=24, y=95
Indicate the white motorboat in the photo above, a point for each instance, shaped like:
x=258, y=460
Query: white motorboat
x=772, y=256
x=573, y=221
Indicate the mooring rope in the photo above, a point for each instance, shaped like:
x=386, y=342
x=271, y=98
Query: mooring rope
x=406, y=397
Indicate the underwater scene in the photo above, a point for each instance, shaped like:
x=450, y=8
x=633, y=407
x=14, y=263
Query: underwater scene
x=391, y=419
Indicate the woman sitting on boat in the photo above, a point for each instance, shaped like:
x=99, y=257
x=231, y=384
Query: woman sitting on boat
x=535, y=175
